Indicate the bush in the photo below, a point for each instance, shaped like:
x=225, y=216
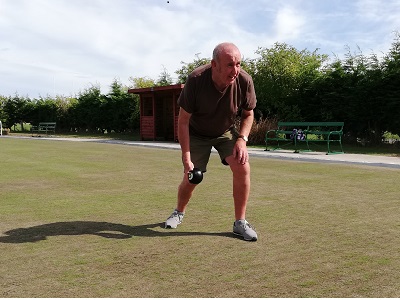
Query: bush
x=5, y=131
x=259, y=129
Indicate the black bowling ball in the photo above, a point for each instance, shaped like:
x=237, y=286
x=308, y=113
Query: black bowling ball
x=195, y=176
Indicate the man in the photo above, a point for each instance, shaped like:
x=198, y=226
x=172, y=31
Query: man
x=209, y=103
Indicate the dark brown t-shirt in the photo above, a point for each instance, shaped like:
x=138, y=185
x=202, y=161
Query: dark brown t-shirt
x=213, y=112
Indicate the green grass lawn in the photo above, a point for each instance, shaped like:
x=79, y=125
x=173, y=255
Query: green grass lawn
x=383, y=149
x=82, y=219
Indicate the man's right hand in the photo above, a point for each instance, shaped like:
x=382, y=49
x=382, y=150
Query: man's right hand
x=187, y=166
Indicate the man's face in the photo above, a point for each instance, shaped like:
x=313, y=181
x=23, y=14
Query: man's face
x=227, y=67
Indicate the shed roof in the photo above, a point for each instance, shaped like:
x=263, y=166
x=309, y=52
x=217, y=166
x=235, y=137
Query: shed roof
x=178, y=86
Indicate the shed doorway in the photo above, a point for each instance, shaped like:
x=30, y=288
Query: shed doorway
x=159, y=112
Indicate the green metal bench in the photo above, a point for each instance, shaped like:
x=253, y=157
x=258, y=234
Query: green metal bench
x=44, y=127
x=298, y=134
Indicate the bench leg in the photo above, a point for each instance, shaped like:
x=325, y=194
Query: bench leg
x=335, y=152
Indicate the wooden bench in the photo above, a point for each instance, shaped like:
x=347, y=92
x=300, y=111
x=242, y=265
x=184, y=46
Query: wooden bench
x=44, y=127
x=298, y=134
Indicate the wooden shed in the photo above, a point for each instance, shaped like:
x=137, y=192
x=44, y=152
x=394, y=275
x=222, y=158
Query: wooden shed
x=159, y=112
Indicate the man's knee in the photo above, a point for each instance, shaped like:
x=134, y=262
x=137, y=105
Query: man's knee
x=236, y=167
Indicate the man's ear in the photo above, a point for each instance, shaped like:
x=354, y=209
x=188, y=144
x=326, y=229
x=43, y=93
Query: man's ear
x=213, y=63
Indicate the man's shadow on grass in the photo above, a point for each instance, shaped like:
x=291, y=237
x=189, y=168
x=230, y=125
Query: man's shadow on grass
x=102, y=229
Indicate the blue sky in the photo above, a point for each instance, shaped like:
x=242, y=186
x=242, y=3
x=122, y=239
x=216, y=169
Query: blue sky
x=61, y=47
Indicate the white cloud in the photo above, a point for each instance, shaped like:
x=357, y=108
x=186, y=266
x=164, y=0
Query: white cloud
x=63, y=46
x=378, y=20
x=289, y=23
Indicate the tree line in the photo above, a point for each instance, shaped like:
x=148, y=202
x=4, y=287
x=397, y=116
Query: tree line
x=291, y=85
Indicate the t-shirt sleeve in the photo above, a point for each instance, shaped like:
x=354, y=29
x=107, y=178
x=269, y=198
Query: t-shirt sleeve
x=250, y=101
x=186, y=99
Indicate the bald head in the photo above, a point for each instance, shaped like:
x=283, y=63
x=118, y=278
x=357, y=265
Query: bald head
x=225, y=65
x=225, y=48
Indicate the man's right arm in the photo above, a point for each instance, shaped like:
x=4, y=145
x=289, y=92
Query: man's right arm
x=184, y=139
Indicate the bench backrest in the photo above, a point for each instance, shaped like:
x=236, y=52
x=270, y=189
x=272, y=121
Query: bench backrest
x=48, y=124
x=311, y=124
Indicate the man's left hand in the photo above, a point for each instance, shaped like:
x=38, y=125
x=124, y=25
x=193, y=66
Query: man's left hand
x=240, y=152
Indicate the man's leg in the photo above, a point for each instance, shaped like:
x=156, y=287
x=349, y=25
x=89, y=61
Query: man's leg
x=241, y=186
x=241, y=192
x=185, y=191
x=200, y=150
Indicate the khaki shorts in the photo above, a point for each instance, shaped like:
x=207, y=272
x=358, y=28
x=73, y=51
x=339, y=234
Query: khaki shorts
x=200, y=148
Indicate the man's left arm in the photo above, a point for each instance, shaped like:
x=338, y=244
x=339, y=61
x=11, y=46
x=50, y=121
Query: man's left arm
x=240, y=150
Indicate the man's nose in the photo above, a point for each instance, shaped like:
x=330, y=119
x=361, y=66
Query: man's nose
x=236, y=70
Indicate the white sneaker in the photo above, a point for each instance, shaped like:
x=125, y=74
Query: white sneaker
x=174, y=219
x=244, y=229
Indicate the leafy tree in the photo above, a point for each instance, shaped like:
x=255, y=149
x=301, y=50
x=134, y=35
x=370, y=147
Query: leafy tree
x=3, y=116
x=164, y=78
x=391, y=86
x=86, y=112
x=282, y=76
x=141, y=82
x=363, y=91
x=187, y=68
x=353, y=90
x=14, y=109
x=118, y=109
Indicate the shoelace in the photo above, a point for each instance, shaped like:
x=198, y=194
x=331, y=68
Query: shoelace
x=176, y=214
x=246, y=225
